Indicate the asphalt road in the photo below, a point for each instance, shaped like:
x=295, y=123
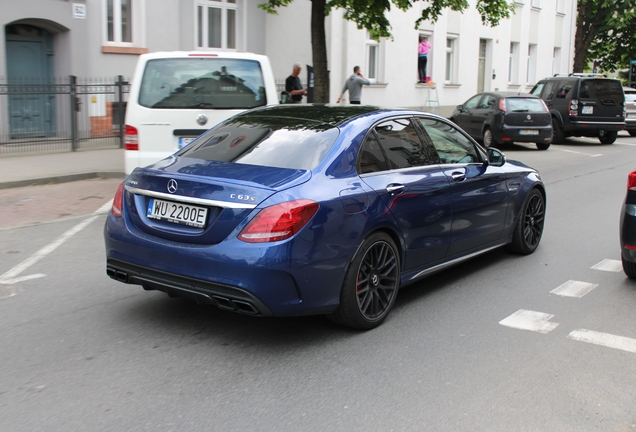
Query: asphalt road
x=82, y=352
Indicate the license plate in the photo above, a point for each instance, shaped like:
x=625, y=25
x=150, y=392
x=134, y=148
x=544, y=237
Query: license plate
x=587, y=109
x=183, y=141
x=528, y=132
x=179, y=213
x=631, y=115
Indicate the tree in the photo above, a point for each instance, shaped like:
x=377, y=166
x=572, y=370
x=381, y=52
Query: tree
x=606, y=33
x=371, y=15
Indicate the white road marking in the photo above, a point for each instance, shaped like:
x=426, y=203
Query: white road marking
x=604, y=339
x=609, y=265
x=574, y=289
x=12, y=274
x=21, y=279
x=530, y=320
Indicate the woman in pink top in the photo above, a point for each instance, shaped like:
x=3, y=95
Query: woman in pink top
x=422, y=57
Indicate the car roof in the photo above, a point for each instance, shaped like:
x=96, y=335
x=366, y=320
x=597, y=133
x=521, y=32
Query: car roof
x=581, y=77
x=332, y=115
x=507, y=94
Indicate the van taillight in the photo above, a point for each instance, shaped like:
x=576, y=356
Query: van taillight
x=573, y=108
x=131, y=138
x=502, y=104
x=118, y=201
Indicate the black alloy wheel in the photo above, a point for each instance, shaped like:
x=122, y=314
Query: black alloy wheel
x=529, y=229
x=629, y=268
x=558, y=136
x=370, y=285
x=608, y=137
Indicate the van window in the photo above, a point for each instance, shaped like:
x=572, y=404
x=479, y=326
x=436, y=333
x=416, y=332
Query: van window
x=209, y=83
x=565, y=89
x=603, y=89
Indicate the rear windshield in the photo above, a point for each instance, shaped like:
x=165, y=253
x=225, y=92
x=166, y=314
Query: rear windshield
x=525, y=105
x=202, y=83
x=601, y=89
x=630, y=97
x=274, y=142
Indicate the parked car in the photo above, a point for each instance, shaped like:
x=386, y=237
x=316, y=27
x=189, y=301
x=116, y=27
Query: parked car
x=630, y=110
x=176, y=96
x=588, y=105
x=303, y=209
x=505, y=117
x=628, y=228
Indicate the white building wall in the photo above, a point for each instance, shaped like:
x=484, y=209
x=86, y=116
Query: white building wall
x=289, y=40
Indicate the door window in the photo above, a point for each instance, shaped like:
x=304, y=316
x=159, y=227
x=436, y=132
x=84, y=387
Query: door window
x=451, y=145
x=472, y=102
x=401, y=144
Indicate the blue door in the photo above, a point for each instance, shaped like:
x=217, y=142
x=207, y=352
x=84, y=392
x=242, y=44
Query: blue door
x=31, y=109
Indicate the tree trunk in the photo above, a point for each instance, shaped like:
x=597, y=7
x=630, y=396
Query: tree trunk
x=319, y=51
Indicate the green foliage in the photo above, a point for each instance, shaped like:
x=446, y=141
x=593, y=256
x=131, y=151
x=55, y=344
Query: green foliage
x=609, y=27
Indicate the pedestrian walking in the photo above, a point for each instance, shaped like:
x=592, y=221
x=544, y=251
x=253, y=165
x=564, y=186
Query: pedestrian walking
x=422, y=58
x=354, y=84
x=293, y=85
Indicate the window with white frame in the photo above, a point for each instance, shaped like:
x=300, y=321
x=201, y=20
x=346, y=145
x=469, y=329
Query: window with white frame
x=373, y=59
x=451, y=59
x=556, y=61
x=513, y=63
x=216, y=24
x=122, y=22
x=560, y=6
x=531, y=64
x=536, y=4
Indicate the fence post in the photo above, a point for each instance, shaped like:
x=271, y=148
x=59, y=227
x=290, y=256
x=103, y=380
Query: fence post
x=73, y=93
x=120, y=108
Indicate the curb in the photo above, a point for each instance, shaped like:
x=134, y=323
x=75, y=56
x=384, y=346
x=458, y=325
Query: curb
x=60, y=179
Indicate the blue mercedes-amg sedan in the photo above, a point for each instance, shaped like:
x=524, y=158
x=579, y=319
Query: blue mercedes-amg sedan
x=318, y=209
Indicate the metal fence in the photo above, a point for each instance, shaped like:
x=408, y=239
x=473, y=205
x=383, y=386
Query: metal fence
x=61, y=114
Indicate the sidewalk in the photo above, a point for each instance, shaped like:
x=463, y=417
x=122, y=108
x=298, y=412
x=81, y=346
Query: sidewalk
x=18, y=171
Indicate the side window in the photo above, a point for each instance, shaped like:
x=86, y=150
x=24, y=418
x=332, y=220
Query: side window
x=549, y=89
x=472, y=102
x=488, y=102
x=537, y=89
x=402, y=145
x=451, y=145
x=563, y=91
x=371, y=158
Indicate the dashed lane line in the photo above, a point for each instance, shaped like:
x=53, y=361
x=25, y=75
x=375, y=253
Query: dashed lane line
x=604, y=339
x=609, y=265
x=530, y=320
x=574, y=289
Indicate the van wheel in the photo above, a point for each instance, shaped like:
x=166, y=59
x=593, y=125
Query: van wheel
x=608, y=137
x=543, y=146
x=557, y=132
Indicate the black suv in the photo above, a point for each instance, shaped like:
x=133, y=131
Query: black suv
x=588, y=105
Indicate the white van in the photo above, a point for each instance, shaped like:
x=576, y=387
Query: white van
x=176, y=96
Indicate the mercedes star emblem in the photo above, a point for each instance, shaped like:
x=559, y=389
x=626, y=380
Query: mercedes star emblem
x=202, y=119
x=172, y=186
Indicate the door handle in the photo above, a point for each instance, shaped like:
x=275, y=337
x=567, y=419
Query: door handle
x=458, y=176
x=394, y=189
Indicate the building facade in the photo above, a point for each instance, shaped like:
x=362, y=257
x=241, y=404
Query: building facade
x=102, y=38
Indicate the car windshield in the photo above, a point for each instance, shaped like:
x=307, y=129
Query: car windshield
x=202, y=82
x=266, y=141
x=525, y=105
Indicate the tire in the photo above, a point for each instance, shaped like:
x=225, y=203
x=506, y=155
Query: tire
x=370, y=285
x=529, y=229
x=629, y=268
x=632, y=132
x=487, y=138
x=543, y=146
x=608, y=137
x=557, y=132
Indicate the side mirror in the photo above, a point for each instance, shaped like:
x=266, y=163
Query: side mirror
x=496, y=158
x=460, y=108
x=285, y=97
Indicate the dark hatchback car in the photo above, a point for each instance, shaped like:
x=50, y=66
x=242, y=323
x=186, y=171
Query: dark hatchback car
x=505, y=117
x=587, y=105
x=298, y=210
x=628, y=228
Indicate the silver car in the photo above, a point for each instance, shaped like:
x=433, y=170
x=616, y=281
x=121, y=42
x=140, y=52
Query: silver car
x=630, y=109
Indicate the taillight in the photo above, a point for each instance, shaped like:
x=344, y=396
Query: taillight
x=118, y=201
x=502, y=104
x=631, y=181
x=279, y=221
x=573, y=108
x=131, y=138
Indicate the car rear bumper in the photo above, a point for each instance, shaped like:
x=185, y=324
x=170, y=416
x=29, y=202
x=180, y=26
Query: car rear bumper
x=590, y=128
x=630, y=124
x=517, y=134
x=628, y=231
